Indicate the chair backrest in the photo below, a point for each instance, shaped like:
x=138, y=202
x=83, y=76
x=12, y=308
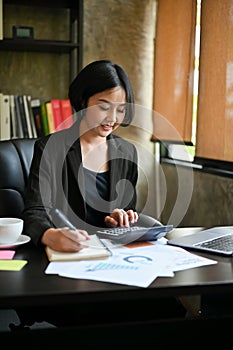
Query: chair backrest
x=15, y=161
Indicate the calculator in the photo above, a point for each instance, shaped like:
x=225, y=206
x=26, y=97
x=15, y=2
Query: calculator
x=125, y=235
x=121, y=235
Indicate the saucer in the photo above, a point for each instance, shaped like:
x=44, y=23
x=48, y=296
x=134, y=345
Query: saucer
x=21, y=240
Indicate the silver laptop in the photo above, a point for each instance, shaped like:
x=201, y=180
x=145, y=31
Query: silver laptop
x=217, y=240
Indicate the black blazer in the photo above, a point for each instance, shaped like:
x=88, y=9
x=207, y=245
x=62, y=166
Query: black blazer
x=56, y=179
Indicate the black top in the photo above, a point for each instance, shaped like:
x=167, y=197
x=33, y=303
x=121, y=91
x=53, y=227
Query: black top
x=97, y=192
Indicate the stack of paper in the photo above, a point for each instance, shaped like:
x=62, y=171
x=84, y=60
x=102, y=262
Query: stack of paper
x=137, y=264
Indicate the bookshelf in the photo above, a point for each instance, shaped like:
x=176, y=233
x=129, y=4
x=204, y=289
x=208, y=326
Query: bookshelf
x=41, y=65
x=45, y=65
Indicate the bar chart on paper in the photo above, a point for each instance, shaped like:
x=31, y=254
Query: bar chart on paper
x=110, y=266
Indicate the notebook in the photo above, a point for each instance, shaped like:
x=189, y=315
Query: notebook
x=218, y=240
x=96, y=250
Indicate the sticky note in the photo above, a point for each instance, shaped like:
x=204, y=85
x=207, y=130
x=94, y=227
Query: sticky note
x=12, y=265
x=7, y=254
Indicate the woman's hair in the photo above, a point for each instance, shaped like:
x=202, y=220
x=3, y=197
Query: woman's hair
x=100, y=76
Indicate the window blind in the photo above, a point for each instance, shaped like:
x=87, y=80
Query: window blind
x=173, y=70
x=214, y=136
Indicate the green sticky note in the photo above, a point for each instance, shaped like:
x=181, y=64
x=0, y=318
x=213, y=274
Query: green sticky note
x=12, y=265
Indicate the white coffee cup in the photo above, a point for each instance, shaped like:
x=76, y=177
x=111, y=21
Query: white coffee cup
x=10, y=230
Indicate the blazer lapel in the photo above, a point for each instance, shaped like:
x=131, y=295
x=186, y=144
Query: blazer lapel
x=74, y=162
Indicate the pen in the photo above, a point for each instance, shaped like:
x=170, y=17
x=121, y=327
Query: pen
x=106, y=247
x=63, y=220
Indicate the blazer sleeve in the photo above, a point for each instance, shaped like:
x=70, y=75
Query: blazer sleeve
x=36, y=219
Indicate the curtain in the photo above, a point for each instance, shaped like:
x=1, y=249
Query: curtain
x=174, y=70
x=214, y=137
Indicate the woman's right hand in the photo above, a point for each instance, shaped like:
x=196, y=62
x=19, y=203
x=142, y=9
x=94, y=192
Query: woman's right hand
x=65, y=240
x=122, y=218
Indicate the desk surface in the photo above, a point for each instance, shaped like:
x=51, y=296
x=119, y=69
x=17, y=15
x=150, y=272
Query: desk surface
x=31, y=286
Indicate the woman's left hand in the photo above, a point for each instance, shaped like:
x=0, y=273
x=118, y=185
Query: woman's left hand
x=122, y=218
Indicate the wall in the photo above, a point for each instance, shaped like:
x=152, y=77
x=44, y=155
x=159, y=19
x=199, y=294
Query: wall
x=124, y=32
x=195, y=198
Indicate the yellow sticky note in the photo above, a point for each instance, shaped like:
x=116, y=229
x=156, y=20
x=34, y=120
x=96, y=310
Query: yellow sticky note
x=12, y=265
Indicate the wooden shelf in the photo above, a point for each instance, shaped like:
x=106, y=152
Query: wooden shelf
x=72, y=47
x=43, y=3
x=58, y=26
x=31, y=45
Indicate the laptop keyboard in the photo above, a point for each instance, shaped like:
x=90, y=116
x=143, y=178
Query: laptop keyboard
x=223, y=243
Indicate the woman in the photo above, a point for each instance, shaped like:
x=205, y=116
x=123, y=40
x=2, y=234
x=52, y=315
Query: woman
x=86, y=171
x=90, y=175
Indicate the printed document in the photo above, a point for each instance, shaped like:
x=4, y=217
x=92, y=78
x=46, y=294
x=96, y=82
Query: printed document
x=135, y=264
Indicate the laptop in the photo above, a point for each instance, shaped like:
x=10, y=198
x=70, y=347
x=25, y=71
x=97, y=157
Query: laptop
x=218, y=240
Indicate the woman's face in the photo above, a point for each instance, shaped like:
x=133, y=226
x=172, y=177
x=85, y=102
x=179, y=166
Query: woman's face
x=105, y=111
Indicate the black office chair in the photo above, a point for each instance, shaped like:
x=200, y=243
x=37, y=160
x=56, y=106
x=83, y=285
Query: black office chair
x=15, y=160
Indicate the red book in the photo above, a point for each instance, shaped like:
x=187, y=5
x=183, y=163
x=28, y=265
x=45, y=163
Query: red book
x=67, y=113
x=57, y=114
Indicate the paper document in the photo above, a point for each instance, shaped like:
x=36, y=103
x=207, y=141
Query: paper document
x=135, y=264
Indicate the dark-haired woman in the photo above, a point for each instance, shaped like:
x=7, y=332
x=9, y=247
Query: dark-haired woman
x=91, y=175
x=85, y=171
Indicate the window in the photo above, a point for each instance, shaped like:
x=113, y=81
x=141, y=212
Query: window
x=195, y=95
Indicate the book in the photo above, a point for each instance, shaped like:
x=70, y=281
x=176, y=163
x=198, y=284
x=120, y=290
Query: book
x=96, y=250
x=44, y=118
x=5, y=127
x=57, y=114
x=27, y=116
x=50, y=116
x=13, y=118
x=20, y=102
x=31, y=117
x=36, y=111
x=20, y=133
x=67, y=113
